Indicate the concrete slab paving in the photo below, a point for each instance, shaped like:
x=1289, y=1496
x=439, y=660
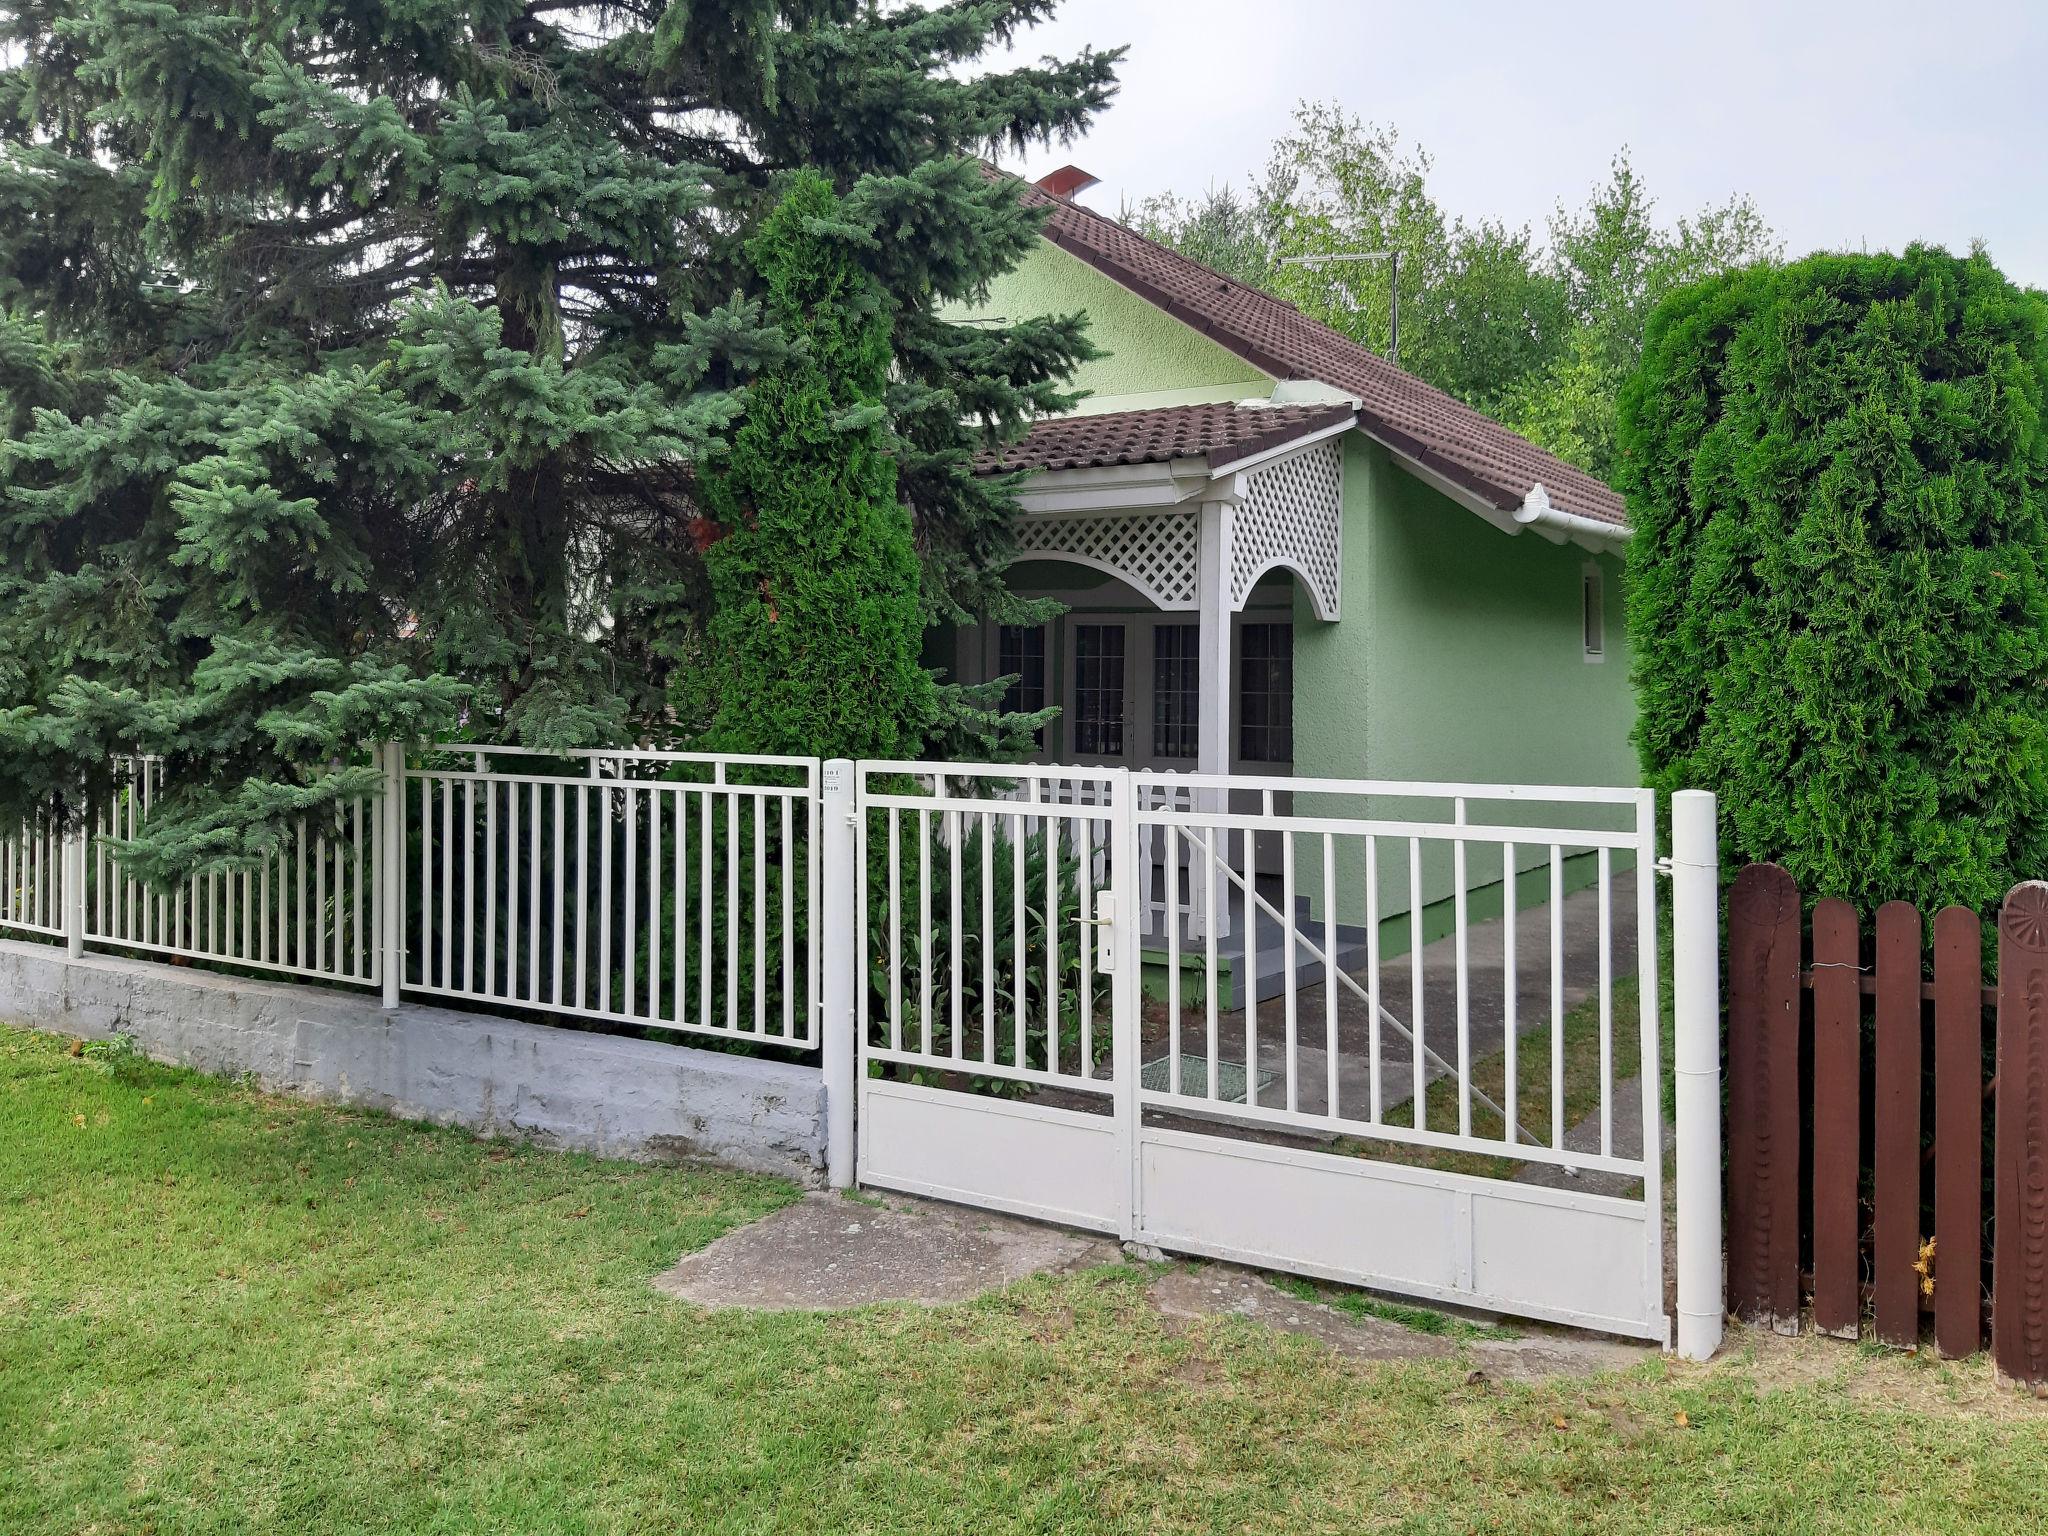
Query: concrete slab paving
x=828, y=1252
x=1191, y=1292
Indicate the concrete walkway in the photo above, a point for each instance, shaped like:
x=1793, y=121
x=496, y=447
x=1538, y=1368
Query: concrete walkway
x=1485, y=1006
x=828, y=1252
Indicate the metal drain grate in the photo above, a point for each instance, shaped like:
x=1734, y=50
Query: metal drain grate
x=1156, y=1076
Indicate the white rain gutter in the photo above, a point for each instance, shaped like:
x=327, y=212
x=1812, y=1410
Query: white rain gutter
x=1560, y=526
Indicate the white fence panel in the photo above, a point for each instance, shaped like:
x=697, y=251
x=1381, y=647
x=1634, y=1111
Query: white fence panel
x=32, y=878
x=665, y=889
x=307, y=909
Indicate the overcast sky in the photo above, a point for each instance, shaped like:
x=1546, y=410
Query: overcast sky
x=1852, y=125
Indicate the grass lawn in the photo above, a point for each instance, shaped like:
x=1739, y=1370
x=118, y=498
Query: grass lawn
x=221, y=1311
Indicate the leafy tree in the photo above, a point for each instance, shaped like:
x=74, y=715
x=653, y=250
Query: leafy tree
x=359, y=359
x=1537, y=333
x=815, y=628
x=1838, y=476
x=1615, y=265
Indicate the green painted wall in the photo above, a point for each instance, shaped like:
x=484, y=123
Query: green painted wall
x=1460, y=656
x=1148, y=351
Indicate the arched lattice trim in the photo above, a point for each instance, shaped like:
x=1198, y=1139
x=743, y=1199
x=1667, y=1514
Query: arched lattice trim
x=1158, y=553
x=1291, y=515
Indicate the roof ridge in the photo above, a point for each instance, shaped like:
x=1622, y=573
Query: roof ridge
x=1038, y=195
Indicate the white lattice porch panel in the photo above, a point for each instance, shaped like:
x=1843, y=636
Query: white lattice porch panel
x=1156, y=552
x=1292, y=515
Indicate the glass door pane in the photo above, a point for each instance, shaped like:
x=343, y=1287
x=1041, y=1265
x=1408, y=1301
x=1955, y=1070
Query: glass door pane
x=1099, y=690
x=1176, y=691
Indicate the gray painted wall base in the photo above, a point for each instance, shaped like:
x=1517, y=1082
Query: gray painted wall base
x=589, y=1092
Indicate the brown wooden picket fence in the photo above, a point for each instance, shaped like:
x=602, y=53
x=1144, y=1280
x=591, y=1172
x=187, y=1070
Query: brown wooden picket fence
x=1860, y=1095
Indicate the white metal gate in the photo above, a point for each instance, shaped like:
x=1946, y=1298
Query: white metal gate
x=1001, y=990
x=1475, y=1119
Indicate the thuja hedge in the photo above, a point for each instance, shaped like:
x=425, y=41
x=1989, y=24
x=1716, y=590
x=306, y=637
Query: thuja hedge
x=1835, y=471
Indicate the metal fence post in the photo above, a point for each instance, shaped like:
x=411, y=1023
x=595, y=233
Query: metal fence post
x=1696, y=980
x=390, y=881
x=74, y=886
x=837, y=933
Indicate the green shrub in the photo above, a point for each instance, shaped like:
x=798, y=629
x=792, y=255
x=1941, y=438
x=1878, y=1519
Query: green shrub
x=816, y=626
x=1835, y=472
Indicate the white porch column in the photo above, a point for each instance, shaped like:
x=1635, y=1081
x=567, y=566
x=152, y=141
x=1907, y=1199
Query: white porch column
x=1214, y=671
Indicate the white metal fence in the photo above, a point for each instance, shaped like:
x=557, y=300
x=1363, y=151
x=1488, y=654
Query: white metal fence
x=1357, y=1049
x=663, y=889
x=980, y=923
x=1380, y=1031
x=32, y=878
x=309, y=908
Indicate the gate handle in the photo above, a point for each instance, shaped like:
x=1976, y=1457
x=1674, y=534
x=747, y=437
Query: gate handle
x=1104, y=920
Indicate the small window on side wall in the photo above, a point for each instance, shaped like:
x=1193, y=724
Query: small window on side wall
x=1593, y=613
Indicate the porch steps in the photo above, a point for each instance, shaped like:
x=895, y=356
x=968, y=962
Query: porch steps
x=1270, y=980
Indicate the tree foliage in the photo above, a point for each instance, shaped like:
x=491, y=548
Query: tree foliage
x=1838, y=477
x=359, y=359
x=813, y=641
x=1538, y=333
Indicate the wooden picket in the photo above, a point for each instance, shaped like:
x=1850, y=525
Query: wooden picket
x=1958, y=1125
x=1763, y=1095
x=1894, y=1212
x=1837, y=1117
x=2019, y=1317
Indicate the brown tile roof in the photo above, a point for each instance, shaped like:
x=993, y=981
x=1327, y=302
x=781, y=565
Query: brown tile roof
x=1468, y=449
x=1223, y=434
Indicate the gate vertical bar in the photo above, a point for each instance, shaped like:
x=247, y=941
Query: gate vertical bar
x=1696, y=1027
x=839, y=872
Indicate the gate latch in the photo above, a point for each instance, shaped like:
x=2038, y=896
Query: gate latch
x=1105, y=932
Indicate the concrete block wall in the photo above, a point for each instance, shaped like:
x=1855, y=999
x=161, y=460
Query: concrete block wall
x=560, y=1087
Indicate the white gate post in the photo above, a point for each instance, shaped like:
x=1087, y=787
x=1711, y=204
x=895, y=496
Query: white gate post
x=1696, y=981
x=74, y=884
x=1125, y=927
x=838, y=963
x=390, y=882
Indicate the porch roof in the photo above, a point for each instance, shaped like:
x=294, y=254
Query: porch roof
x=1223, y=435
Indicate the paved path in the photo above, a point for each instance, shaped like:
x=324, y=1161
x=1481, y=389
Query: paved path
x=829, y=1252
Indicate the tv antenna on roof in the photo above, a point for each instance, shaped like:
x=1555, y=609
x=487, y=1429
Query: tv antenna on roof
x=1393, y=261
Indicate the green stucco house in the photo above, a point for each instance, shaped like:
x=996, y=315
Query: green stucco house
x=1282, y=558
x=1280, y=554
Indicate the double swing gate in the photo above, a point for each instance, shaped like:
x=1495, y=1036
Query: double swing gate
x=1291, y=1022
x=1402, y=1035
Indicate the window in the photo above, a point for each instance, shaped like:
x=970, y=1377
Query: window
x=1099, y=690
x=1176, y=691
x=1020, y=653
x=1265, y=686
x=1593, y=613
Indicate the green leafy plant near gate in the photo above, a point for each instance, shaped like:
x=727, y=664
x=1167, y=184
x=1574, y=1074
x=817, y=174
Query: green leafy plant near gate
x=986, y=975
x=1838, y=477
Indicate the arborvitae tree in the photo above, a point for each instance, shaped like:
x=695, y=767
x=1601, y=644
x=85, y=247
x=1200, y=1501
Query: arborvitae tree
x=1838, y=478
x=358, y=357
x=815, y=627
